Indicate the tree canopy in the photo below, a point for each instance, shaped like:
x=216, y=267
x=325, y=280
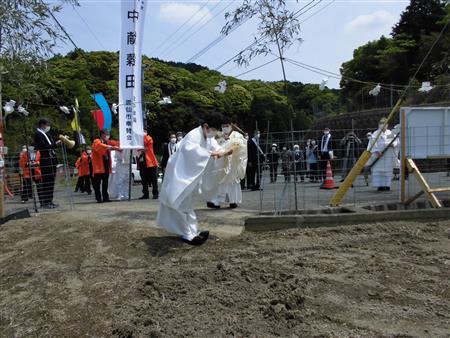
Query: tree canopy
x=191, y=88
x=394, y=60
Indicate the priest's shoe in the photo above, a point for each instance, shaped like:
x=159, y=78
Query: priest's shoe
x=212, y=205
x=196, y=241
x=145, y=197
x=204, y=234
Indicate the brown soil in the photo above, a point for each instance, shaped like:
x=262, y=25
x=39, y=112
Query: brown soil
x=61, y=277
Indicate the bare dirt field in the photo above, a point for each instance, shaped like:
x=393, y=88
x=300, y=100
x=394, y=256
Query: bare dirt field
x=66, y=275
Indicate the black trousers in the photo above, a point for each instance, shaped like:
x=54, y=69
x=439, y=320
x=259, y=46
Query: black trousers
x=79, y=185
x=313, y=174
x=324, y=158
x=101, y=180
x=253, y=176
x=273, y=171
x=27, y=192
x=86, y=184
x=299, y=170
x=149, y=177
x=48, y=184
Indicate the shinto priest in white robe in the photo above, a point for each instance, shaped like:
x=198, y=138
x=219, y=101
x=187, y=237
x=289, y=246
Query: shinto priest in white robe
x=233, y=171
x=190, y=173
x=382, y=170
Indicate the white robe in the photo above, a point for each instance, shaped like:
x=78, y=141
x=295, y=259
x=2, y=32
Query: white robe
x=234, y=167
x=382, y=171
x=189, y=174
x=118, y=183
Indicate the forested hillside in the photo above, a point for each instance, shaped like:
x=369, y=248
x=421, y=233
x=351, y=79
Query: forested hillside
x=191, y=88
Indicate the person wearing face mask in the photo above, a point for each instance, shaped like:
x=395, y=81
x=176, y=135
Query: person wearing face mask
x=46, y=145
x=256, y=159
x=350, y=144
x=29, y=161
x=287, y=163
x=233, y=167
x=325, y=152
x=189, y=174
x=169, y=149
x=101, y=164
x=273, y=158
x=79, y=185
x=312, y=157
x=299, y=164
x=179, y=136
x=384, y=157
x=149, y=168
x=84, y=166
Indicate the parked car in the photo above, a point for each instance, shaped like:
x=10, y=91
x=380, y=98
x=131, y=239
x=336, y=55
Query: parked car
x=135, y=174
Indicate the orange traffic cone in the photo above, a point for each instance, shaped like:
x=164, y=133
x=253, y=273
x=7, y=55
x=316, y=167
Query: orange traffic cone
x=329, y=181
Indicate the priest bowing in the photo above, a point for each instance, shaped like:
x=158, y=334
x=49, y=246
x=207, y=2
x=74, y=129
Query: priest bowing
x=190, y=174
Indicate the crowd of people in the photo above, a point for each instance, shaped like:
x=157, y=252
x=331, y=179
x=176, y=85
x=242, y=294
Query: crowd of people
x=214, y=162
x=104, y=167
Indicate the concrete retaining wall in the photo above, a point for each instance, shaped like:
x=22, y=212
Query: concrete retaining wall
x=271, y=223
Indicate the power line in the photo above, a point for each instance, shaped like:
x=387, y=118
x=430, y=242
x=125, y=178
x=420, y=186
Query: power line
x=318, y=11
x=179, y=28
x=338, y=77
x=59, y=25
x=296, y=15
x=89, y=28
x=171, y=46
x=215, y=42
x=253, y=69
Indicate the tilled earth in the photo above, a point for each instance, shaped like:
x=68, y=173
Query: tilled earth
x=62, y=277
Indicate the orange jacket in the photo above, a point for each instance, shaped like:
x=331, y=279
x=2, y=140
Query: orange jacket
x=99, y=150
x=23, y=164
x=82, y=164
x=150, y=158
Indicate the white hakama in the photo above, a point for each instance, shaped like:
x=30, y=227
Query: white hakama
x=118, y=183
x=234, y=167
x=189, y=174
x=382, y=171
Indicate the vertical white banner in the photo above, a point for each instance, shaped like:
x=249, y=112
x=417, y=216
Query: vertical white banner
x=130, y=78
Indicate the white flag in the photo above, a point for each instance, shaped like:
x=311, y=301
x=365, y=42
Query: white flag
x=130, y=86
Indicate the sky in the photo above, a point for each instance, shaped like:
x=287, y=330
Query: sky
x=177, y=30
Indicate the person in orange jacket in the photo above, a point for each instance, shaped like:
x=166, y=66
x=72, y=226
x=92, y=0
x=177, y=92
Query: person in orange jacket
x=79, y=185
x=101, y=164
x=29, y=161
x=148, y=168
x=84, y=166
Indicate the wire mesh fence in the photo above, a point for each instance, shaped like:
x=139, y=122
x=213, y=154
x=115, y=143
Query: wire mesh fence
x=302, y=169
x=295, y=170
x=38, y=182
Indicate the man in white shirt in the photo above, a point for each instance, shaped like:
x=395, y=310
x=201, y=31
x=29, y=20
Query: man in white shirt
x=325, y=152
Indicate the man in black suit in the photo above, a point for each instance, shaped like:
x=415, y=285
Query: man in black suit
x=46, y=145
x=325, y=152
x=255, y=162
x=168, y=150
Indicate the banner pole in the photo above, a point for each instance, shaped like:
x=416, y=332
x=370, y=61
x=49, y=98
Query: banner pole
x=130, y=168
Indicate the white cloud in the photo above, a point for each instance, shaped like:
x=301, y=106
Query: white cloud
x=379, y=22
x=178, y=13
